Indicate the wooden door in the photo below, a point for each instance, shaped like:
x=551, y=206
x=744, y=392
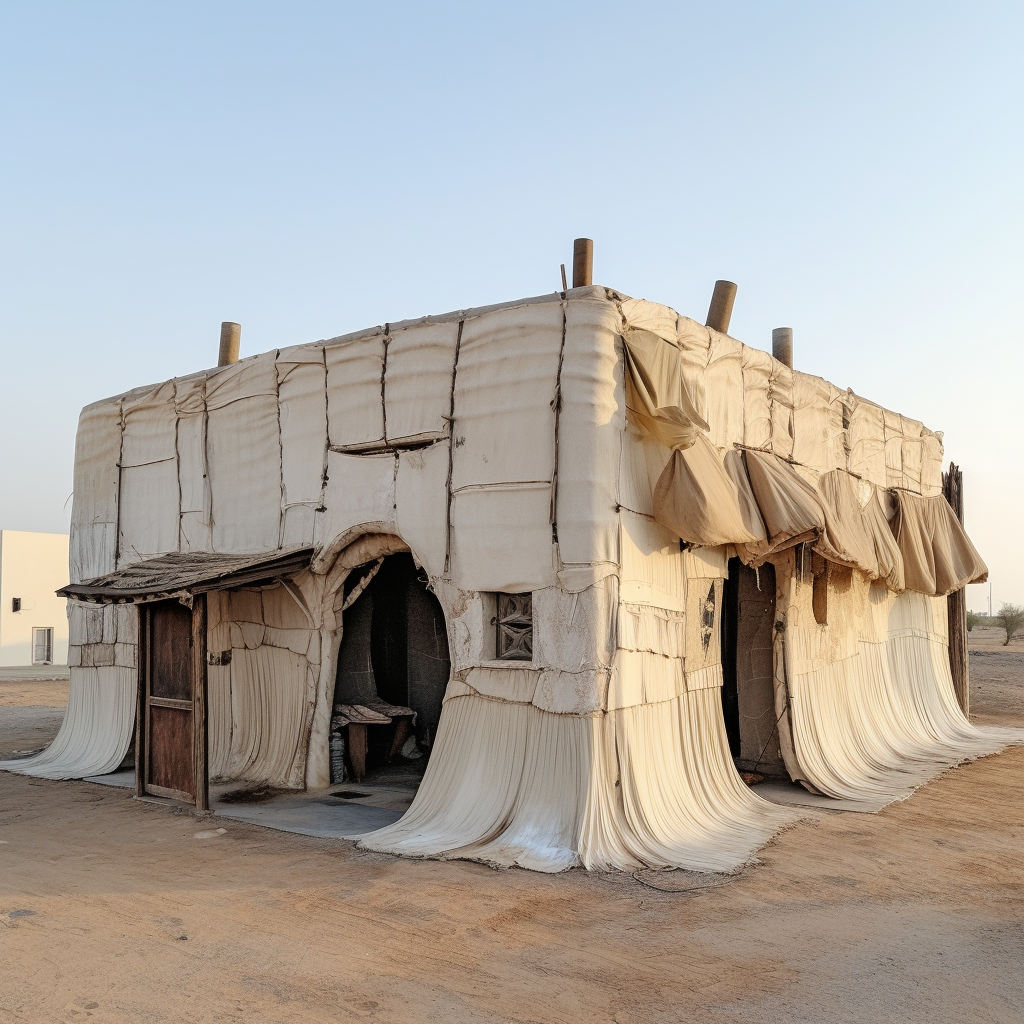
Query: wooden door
x=171, y=757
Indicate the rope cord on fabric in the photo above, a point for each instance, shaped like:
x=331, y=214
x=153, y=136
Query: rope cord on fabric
x=775, y=729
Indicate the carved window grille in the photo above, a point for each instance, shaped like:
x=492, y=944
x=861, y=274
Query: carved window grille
x=707, y=619
x=514, y=624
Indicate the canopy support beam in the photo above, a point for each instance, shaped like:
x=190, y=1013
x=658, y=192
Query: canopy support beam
x=956, y=603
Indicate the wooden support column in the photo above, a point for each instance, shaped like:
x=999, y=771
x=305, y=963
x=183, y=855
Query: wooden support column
x=141, y=675
x=956, y=603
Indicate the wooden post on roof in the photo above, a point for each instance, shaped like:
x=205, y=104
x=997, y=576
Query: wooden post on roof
x=720, y=310
x=782, y=345
x=956, y=603
x=230, y=341
x=582, y=262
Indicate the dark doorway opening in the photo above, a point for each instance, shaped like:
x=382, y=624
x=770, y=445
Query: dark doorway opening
x=748, y=686
x=394, y=657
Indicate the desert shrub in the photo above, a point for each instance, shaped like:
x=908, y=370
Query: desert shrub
x=1011, y=618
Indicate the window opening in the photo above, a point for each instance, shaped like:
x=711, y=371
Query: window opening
x=707, y=619
x=515, y=627
x=42, y=645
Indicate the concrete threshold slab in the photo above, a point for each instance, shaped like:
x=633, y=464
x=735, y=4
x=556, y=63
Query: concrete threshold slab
x=792, y=794
x=321, y=814
x=324, y=814
x=123, y=780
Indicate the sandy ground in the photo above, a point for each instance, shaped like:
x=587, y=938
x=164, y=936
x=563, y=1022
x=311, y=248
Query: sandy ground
x=117, y=910
x=31, y=711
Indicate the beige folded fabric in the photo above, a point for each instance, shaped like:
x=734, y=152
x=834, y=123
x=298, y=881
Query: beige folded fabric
x=697, y=499
x=736, y=468
x=938, y=556
x=887, y=551
x=791, y=508
x=656, y=394
x=846, y=525
x=859, y=536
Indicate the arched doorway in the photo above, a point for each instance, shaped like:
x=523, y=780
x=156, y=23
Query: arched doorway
x=393, y=666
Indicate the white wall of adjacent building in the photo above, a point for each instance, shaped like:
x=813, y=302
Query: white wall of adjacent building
x=32, y=567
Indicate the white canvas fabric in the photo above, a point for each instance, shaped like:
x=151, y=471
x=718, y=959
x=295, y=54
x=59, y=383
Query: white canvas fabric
x=657, y=395
x=94, y=512
x=872, y=712
x=418, y=382
x=591, y=418
x=861, y=530
x=195, y=523
x=97, y=728
x=258, y=702
x=243, y=453
x=149, y=470
x=495, y=445
x=355, y=375
x=302, y=391
x=650, y=785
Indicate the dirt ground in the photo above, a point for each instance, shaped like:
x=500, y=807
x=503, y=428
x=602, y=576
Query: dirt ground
x=117, y=910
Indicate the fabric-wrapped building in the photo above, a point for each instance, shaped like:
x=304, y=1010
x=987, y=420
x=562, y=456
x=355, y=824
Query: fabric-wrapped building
x=613, y=553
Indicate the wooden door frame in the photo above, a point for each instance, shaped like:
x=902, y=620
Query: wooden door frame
x=198, y=674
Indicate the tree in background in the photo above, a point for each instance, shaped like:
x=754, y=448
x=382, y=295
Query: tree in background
x=972, y=620
x=1011, y=618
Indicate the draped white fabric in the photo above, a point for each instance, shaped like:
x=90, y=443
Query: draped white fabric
x=494, y=443
x=651, y=785
x=97, y=728
x=258, y=704
x=872, y=708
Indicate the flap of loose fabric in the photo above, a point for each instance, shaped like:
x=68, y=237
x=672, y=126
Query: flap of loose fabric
x=656, y=394
x=859, y=534
x=791, y=508
x=887, y=551
x=697, y=499
x=938, y=556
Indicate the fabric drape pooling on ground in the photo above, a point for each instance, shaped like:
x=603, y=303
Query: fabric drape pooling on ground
x=651, y=785
x=97, y=729
x=872, y=711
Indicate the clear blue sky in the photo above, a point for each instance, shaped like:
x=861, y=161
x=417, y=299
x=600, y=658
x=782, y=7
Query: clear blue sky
x=312, y=168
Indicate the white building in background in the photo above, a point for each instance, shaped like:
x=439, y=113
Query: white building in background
x=33, y=619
